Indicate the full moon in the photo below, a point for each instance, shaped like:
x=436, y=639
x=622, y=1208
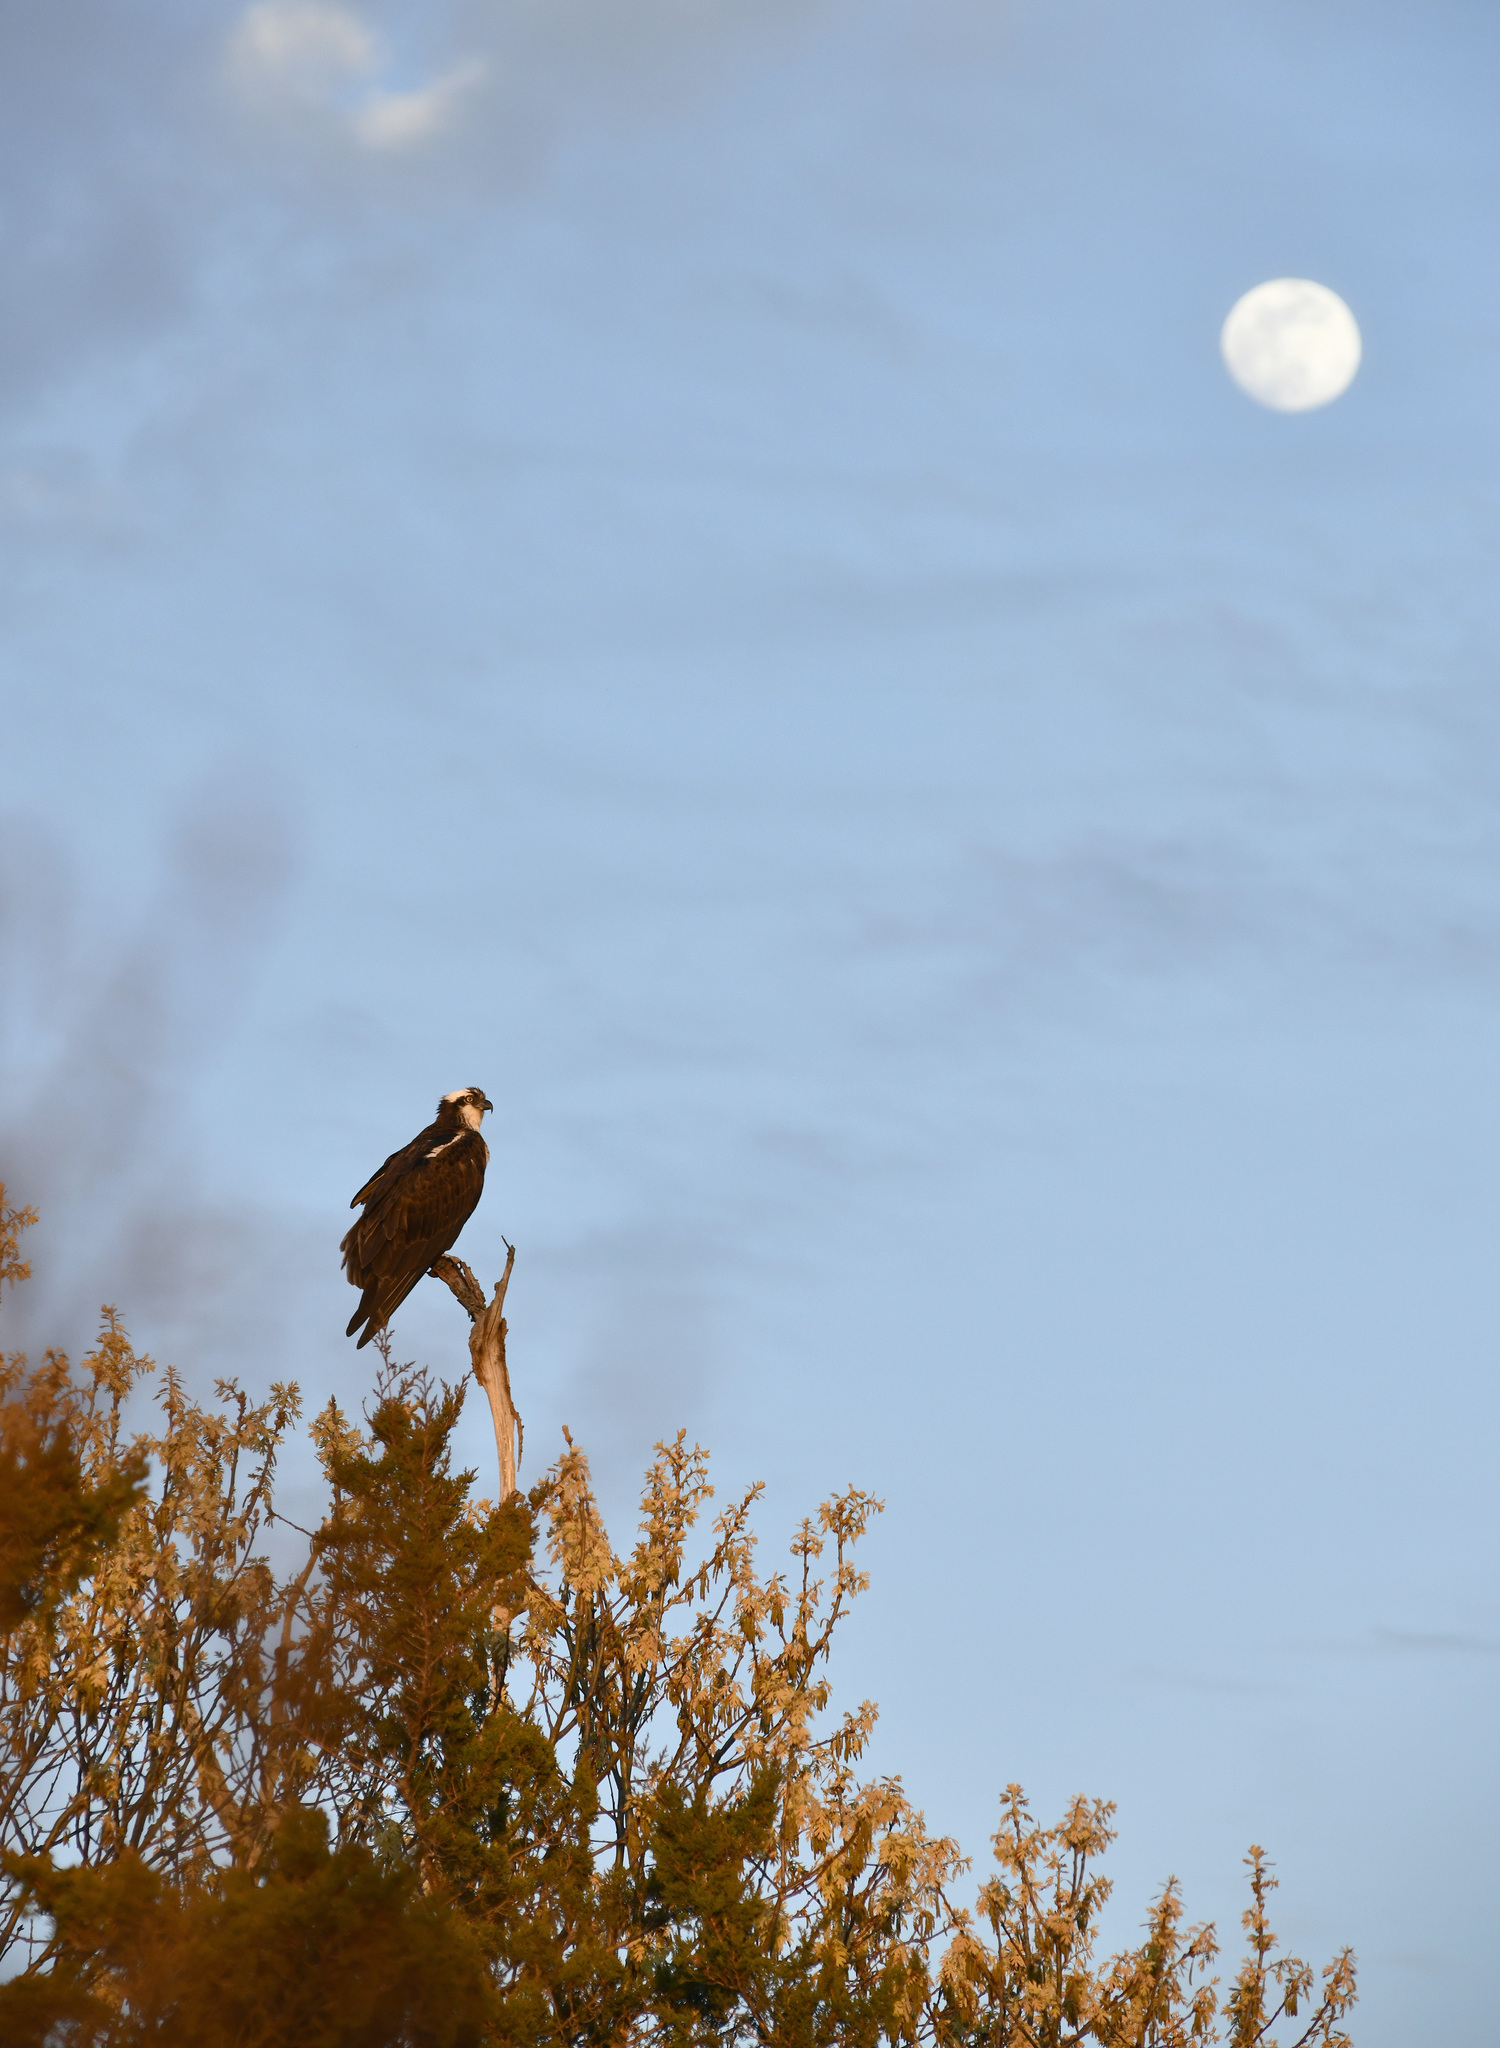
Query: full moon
x=1291, y=344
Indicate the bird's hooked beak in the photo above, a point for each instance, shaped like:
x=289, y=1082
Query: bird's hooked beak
x=487, y=1103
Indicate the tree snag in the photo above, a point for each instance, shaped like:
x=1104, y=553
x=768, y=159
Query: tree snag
x=487, y=1351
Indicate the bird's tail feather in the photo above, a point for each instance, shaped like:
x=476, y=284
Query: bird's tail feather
x=377, y=1306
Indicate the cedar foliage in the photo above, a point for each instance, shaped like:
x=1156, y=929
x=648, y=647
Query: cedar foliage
x=468, y=1775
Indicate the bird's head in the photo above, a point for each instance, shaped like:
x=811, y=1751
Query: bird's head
x=465, y=1106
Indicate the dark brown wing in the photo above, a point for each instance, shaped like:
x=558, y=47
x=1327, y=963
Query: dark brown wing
x=381, y=1182
x=414, y=1209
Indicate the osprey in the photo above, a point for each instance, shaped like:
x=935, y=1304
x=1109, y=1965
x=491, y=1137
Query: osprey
x=414, y=1209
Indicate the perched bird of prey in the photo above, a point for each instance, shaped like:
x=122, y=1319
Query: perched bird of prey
x=414, y=1209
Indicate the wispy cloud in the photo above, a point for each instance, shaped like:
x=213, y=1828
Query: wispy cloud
x=303, y=53
x=302, y=47
x=395, y=120
x=50, y=494
x=105, y=1041
x=1435, y=1643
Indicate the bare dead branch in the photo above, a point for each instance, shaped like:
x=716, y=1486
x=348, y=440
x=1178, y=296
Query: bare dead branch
x=487, y=1350
x=460, y=1277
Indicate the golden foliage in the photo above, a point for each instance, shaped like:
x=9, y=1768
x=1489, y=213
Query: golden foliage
x=1037, y=1984
x=466, y=1773
x=12, y=1222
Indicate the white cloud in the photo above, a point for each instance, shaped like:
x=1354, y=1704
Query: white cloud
x=303, y=46
x=326, y=57
x=393, y=120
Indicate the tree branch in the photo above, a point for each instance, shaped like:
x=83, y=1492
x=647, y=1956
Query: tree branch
x=467, y=1290
x=487, y=1351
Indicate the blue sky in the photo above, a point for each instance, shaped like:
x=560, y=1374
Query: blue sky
x=697, y=566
